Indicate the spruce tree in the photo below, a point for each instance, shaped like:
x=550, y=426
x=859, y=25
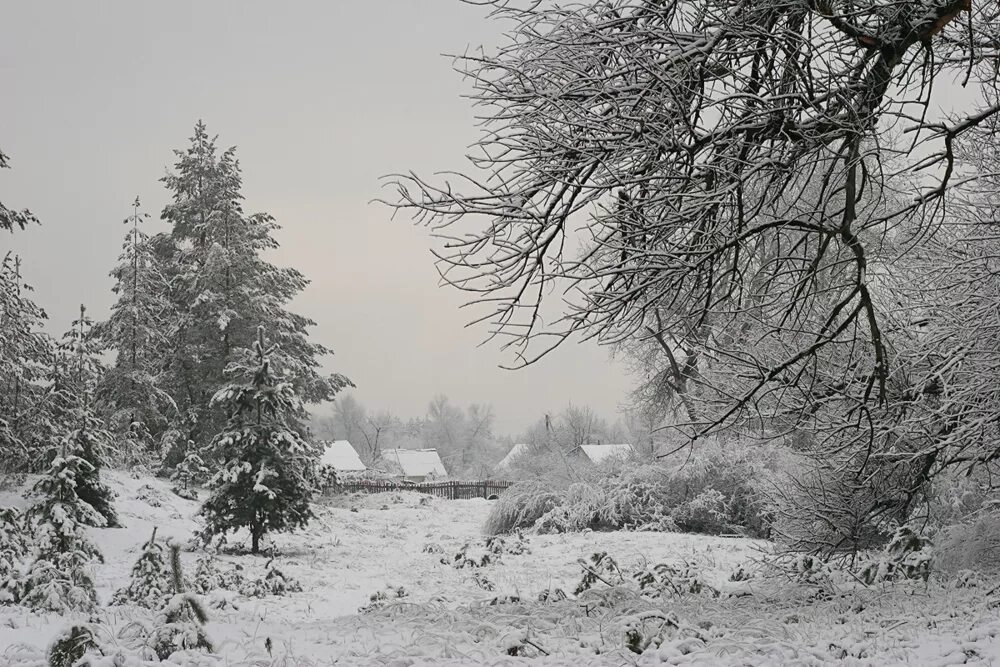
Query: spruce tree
x=222, y=289
x=267, y=474
x=188, y=471
x=137, y=332
x=59, y=577
x=151, y=584
x=77, y=373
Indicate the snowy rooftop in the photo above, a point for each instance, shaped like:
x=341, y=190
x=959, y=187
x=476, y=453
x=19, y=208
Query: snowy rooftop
x=416, y=462
x=341, y=455
x=602, y=453
x=516, y=451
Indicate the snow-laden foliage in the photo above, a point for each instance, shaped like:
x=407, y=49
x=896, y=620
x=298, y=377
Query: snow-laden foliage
x=26, y=356
x=76, y=374
x=714, y=493
x=189, y=471
x=60, y=577
x=180, y=625
x=151, y=582
x=221, y=289
x=273, y=582
x=267, y=473
x=137, y=332
x=14, y=547
x=908, y=555
x=69, y=648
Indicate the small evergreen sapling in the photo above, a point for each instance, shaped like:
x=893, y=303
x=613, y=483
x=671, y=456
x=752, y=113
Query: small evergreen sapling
x=181, y=624
x=59, y=577
x=266, y=480
x=151, y=584
x=77, y=372
x=189, y=471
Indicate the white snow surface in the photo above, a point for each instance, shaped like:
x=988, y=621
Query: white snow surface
x=416, y=462
x=361, y=545
x=341, y=455
x=602, y=453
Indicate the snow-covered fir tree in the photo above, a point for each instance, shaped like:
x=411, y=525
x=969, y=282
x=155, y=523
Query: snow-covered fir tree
x=77, y=372
x=151, y=584
x=223, y=289
x=59, y=578
x=137, y=331
x=267, y=474
x=191, y=469
x=26, y=356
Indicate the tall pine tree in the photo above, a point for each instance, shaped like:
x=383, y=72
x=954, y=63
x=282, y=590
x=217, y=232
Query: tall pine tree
x=222, y=289
x=137, y=332
x=267, y=476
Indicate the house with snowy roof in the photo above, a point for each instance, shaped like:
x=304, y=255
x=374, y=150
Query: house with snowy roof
x=604, y=453
x=341, y=456
x=416, y=465
x=517, y=451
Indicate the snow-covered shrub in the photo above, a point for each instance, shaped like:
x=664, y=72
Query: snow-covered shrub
x=520, y=506
x=648, y=629
x=579, y=509
x=599, y=568
x=151, y=584
x=209, y=576
x=664, y=580
x=907, y=556
x=973, y=544
x=715, y=491
x=274, y=582
x=471, y=556
x=71, y=645
x=515, y=544
x=823, y=505
x=707, y=512
x=380, y=599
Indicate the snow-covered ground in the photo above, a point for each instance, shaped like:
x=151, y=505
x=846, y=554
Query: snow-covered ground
x=439, y=614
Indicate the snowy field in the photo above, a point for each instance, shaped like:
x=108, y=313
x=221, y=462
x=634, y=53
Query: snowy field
x=435, y=613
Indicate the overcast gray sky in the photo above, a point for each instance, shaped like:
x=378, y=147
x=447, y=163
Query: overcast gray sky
x=322, y=98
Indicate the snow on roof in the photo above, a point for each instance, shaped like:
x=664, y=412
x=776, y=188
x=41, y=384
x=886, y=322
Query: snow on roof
x=516, y=451
x=341, y=455
x=601, y=453
x=416, y=462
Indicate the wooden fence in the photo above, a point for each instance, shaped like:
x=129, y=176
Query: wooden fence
x=450, y=490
